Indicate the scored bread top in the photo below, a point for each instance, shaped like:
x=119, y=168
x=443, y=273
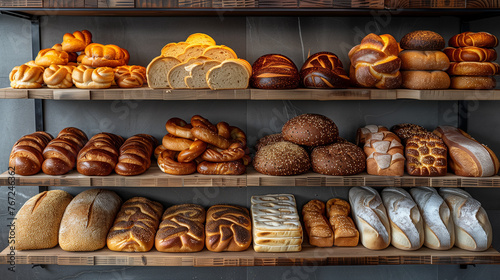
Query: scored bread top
x=275, y=212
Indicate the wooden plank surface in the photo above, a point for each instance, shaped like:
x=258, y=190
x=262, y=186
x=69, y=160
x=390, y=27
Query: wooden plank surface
x=482, y=4
x=202, y=94
x=311, y=256
x=310, y=94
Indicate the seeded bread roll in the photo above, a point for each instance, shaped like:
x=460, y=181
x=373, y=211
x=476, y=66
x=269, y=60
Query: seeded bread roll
x=281, y=158
x=268, y=139
x=310, y=130
x=470, y=68
x=338, y=159
x=422, y=40
x=406, y=130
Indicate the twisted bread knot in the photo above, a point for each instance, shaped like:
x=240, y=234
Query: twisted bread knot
x=167, y=164
x=130, y=76
x=135, y=155
x=77, y=41
x=473, y=39
x=375, y=62
x=97, y=55
x=195, y=150
x=26, y=156
x=46, y=57
x=234, y=152
x=72, y=56
x=60, y=154
x=26, y=76
x=100, y=154
x=58, y=76
x=228, y=228
x=222, y=168
x=135, y=226
x=86, y=77
x=179, y=128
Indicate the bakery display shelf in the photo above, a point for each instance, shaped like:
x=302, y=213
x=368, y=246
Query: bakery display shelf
x=154, y=177
x=310, y=256
x=145, y=93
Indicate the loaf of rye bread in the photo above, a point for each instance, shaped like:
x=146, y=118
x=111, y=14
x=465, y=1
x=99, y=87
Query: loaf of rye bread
x=274, y=71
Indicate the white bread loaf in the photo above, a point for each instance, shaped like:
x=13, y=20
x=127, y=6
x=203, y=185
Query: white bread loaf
x=439, y=229
x=407, y=225
x=230, y=74
x=158, y=69
x=176, y=76
x=472, y=227
x=197, y=78
x=87, y=220
x=173, y=49
x=370, y=216
x=363, y=132
x=192, y=51
x=219, y=53
x=384, y=154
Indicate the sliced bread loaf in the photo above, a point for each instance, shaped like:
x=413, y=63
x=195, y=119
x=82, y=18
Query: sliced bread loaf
x=179, y=72
x=220, y=53
x=158, y=69
x=174, y=49
x=198, y=75
x=230, y=74
x=192, y=51
x=200, y=38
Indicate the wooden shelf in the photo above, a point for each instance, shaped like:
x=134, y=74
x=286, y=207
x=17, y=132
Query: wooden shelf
x=146, y=93
x=308, y=256
x=154, y=177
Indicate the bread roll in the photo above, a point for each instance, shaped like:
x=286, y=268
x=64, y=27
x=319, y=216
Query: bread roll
x=338, y=159
x=87, y=220
x=310, y=130
x=317, y=227
x=474, y=39
x=424, y=60
x=182, y=229
x=158, y=69
x=422, y=40
x=38, y=220
x=425, y=80
x=470, y=54
x=407, y=225
x=384, y=154
x=58, y=76
x=221, y=168
x=135, y=226
x=100, y=155
x=439, y=230
x=200, y=38
x=60, y=154
x=282, y=158
x=426, y=155
x=230, y=74
x=26, y=76
x=228, y=228
x=98, y=55
x=86, y=77
x=130, y=76
x=473, y=82
x=274, y=71
x=468, y=157
x=26, y=156
x=46, y=57
x=370, y=216
x=469, y=68
x=135, y=155
x=363, y=132
x=472, y=227
x=407, y=130
x=77, y=41
x=268, y=139
x=345, y=232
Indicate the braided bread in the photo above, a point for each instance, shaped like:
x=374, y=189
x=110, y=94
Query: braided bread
x=323, y=70
x=86, y=77
x=26, y=76
x=135, y=226
x=135, y=155
x=375, y=62
x=58, y=76
x=97, y=55
x=130, y=76
x=182, y=229
x=77, y=41
x=100, y=155
x=26, y=157
x=46, y=57
x=274, y=71
x=228, y=228
x=426, y=155
x=72, y=56
x=60, y=154
x=345, y=232
x=317, y=228
x=473, y=39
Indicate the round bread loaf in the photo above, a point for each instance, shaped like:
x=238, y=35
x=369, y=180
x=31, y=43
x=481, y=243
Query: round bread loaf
x=281, y=158
x=274, y=71
x=406, y=130
x=267, y=140
x=473, y=82
x=338, y=159
x=473, y=68
x=323, y=70
x=422, y=40
x=310, y=130
x=474, y=39
x=425, y=79
x=471, y=54
x=423, y=60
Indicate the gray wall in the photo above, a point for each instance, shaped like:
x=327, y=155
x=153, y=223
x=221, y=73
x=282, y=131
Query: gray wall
x=250, y=37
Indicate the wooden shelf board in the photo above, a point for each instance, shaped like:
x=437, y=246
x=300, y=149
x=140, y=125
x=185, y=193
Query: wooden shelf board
x=310, y=94
x=448, y=94
x=202, y=94
x=308, y=256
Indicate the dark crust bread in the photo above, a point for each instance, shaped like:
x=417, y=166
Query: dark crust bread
x=407, y=130
x=422, y=40
x=274, y=71
x=310, y=130
x=339, y=159
x=282, y=158
x=267, y=140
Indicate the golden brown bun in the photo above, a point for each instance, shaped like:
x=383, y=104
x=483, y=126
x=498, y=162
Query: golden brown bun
x=423, y=60
x=37, y=222
x=317, y=227
x=470, y=54
x=426, y=155
x=384, y=154
x=26, y=76
x=26, y=157
x=228, y=228
x=58, y=76
x=135, y=155
x=274, y=71
x=130, y=76
x=46, y=57
x=425, y=79
x=422, y=40
x=97, y=55
x=60, y=154
x=473, y=82
x=77, y=41
x=100, y=155
x=474, y=39
x=473, y=68
x=323, y=70
x=282, y=158
x=86, y=77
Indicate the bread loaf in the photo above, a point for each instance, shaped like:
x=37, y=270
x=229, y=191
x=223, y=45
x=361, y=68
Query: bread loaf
x=182, y=229
x=470, y=54
x=407, y=226
x=100, y=155
x=197, y=78
x=370, y=216
x=135, y=226
x=267, y=140
x=230, y=74
x=310, y=130
x=158, y=69
x=375, y=62
x=86, y=77
x=60, y=154
x=472, y=227
x=363, y=132
x=26, y=156
x=173, y=49
x=26, y=76
x=77, y=41
x=282, y=158
x=228, y=228
x=422, y=40
x=473, y=82
x=323, y=70
x=424, y=60
x=179, y=72
x=192, y=51
x=473, y=39
x=384, y=154
x=338, y=159
x=439, y=230
x=471, y=68
x=221, y=168
x=38, y=220
x=219, y=53
x=135, y=155
x=345, y=232
x=317, y=227
x=425, y=80
x=200, y=38
x=468, y=157
x=426, y=155
x=274, y=71
x=130, y=76
x=98, y=55
x=87, y=220
x=407, y=130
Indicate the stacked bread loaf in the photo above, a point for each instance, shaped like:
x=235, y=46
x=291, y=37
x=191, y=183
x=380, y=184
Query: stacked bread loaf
x=384, y=153
x=198, y=63
x=472, y=55
x=422, y=61
x=316, y=224
x=276, y=224
x=201, y=146
x=228, y=228
x=135, y=155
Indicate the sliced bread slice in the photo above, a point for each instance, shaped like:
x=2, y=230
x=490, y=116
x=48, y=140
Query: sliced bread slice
x=197, y=78
x=220, y=53
x=174, y=49
x=179, y=72
x=230, y=74
x=200, y=38
x=158, y=69
x=191, y=51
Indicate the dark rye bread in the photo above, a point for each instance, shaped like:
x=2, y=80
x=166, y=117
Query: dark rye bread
x=310, y=130
x=422, y=40
x=339, y=159
x=268, y=139
x=407, y=130
x=281, y=159
x=274, y=71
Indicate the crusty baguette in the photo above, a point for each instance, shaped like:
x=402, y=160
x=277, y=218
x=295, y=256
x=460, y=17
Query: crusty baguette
x=158, y=69
x=38, y=221
x=87, y=220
